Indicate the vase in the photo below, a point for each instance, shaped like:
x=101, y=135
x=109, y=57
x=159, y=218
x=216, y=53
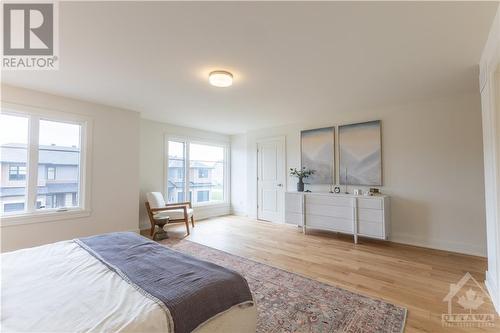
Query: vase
x=300, y=186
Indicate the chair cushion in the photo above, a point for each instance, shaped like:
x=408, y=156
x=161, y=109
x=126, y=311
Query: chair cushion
x=155, y=199
x=161, y=216
x=174, y=214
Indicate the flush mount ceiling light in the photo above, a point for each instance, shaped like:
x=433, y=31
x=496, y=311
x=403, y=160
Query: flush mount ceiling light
x=220, y=79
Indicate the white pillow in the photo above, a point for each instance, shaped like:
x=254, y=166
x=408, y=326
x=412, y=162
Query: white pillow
x=155, y=200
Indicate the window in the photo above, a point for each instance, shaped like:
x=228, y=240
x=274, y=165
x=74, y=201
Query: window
x=38, y=147
x=14, y=132
x=205, y=174
x=202, y=196
x=59, y=144
x=13, y=207
x=51, y=173
x=202, y=173
x=17, y=172
x=209, y=159
x=176, y=170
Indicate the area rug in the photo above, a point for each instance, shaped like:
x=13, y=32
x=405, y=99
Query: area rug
x=288, y=302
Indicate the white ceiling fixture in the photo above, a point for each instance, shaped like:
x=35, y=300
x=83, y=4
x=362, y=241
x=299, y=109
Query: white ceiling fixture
x=221, y=79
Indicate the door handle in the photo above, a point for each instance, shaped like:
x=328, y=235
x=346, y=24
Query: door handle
x=280, y=185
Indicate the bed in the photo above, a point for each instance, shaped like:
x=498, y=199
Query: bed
x=120, y=282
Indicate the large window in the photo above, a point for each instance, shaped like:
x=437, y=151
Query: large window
x=42, y=163
x=176, y=171
x=198, y=169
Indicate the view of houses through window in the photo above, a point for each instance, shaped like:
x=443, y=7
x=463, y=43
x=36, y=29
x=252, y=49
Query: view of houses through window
x=58, y=172
x=204, y=181
x=58, y=165
x=13, y=157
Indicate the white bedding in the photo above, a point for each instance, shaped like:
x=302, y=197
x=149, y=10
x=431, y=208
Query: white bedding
x=62, y=288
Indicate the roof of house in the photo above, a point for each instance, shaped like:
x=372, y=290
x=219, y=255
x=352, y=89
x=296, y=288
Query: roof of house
x=48, y=189
x=193, y=164
x=17, y=153
x=172, y=184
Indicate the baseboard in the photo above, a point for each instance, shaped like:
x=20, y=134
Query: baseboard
x=238, y=212
x=492, y=287
x=439, y=244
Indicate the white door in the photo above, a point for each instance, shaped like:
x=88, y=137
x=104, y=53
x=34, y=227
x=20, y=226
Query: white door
x=271, y=179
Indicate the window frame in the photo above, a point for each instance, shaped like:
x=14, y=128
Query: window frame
x=188, y=140
x=31, y=214
x=204, y=174
x=18, y=168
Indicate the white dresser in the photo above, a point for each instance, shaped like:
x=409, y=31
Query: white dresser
x=356, y=215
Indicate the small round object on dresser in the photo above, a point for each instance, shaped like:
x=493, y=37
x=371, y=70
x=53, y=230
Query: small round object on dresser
x=336, y=189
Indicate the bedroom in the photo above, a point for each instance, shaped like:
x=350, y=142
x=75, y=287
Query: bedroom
x=192, y=116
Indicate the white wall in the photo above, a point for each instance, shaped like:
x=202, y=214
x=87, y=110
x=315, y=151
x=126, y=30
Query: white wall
x=432, y=169
x=152, y=167
x=238, y=168
x=115, y=173
x=489, y=82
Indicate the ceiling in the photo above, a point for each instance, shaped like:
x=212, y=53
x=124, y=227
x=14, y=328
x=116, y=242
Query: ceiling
x=292, y=61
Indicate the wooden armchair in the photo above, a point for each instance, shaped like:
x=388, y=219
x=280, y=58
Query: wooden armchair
x=161, y=213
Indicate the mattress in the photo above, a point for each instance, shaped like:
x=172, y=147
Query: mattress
x=60, y=287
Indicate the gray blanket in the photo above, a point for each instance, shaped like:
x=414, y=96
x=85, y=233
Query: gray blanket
x=190, y=290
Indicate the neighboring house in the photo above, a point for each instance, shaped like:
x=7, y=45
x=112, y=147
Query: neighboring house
x=58, y=174
x=205, y=181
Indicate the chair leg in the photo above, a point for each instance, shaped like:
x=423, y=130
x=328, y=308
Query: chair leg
x=187, y=225
x=152, y=230
x=192, y=221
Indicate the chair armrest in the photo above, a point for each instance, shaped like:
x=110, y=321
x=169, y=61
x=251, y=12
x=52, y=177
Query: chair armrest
x=154, y=210
x=186, y=203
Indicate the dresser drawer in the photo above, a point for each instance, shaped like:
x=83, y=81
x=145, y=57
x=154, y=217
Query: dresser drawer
x=329, y=223
x=330, y=200
x=371, y=229
x=332, y=211
x=373, y=203
x=371, y=215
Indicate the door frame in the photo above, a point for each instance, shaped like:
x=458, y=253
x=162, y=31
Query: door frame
x=282, y=139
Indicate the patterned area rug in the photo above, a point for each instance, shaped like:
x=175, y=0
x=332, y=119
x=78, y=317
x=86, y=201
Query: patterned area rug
x=288, y=302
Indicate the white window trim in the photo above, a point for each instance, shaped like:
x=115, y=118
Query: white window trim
x=187, y=140
x=31, y=215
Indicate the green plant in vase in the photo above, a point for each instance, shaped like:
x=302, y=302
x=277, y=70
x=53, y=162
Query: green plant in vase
x=301, y=174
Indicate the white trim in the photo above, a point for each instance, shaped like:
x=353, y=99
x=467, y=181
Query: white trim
x=491, y=287
x=32, y=164
x=43, y=217
x=438, y=244
x=489, y=84
x=35, y=114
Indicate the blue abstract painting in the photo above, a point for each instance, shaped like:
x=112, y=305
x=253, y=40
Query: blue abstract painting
x=361, y=154
x=318, y=154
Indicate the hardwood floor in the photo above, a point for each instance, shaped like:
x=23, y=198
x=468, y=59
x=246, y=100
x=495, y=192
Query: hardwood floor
x=413, y=277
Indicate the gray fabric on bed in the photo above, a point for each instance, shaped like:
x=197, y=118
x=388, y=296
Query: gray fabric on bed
x=193, y=290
